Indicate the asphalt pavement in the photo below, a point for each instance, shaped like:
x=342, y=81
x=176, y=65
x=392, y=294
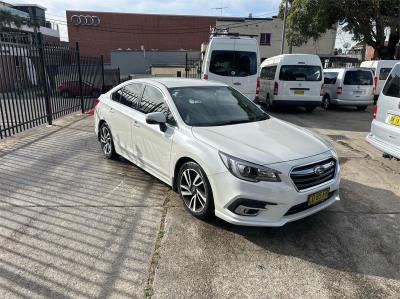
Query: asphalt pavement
x=74, y=225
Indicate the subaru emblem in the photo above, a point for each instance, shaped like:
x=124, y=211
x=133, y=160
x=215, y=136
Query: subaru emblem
x=318, y=170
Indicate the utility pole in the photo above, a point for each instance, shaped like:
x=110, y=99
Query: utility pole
x=284, y=26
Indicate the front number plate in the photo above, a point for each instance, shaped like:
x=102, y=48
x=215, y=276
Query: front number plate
x=394, y=120
x=317, y=197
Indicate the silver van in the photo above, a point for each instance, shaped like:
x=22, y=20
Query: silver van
x=348, y=87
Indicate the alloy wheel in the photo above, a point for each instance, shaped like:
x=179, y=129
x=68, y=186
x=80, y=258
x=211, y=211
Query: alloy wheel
x=105, y=139
x=193, y=190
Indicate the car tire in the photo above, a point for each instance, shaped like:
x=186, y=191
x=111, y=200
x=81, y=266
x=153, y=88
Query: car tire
x=195, y=191
x=65, y=94
x=310, y=109
x=269, y=105
x=326, y=102
x=106, y=142
x=362, y=108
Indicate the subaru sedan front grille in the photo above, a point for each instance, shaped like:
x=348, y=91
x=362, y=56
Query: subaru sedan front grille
x=314, y=174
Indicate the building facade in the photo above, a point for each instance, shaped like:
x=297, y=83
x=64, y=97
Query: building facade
x=99, y=33
x=268, y=31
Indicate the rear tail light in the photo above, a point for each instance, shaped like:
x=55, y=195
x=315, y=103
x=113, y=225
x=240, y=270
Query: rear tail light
x=96, y=102
x=321, y=92
x=375, y=83
x=205, y=76
x=375, y=111
x=339, y=90
x=276, y=88
x=258, y=87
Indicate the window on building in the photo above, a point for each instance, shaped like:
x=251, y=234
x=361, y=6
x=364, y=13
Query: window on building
x=265, y=39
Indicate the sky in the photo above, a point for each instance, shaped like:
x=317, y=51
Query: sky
x=240, y=8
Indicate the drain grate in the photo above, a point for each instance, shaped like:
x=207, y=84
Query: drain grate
x=338, y=137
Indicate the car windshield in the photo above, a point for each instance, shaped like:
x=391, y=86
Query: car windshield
x=300, y=73
x=214, y=106
x=358, y=78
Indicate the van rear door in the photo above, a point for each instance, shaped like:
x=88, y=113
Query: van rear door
x=357, y=84
x=246, y=66
x=221, y=60
x=300, y=81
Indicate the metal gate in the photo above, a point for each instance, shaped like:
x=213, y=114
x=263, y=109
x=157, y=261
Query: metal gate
x=192, y=67
x=39, y=83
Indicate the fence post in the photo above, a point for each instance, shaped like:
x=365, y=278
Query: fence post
x=78, y=57
x=186, y=65
x=49, y=112
x=102, y=73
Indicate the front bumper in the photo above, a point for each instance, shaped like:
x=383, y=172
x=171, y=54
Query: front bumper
x=278, y=196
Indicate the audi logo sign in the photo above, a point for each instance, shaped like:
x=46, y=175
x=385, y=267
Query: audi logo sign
x=80, y=20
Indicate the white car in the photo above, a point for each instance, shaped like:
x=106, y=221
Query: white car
x=385, y=128
x=219, y=150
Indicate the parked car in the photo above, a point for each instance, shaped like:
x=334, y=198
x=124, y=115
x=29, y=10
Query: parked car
x=348, y=87
x=385, y=128
x=71, y=89
x=291, y=79
x=221, y=152
x=233, y=60
x=381, y=70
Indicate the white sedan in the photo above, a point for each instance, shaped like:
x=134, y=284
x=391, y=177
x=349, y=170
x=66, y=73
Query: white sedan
x=216, y=148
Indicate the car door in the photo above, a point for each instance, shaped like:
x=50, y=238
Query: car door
x=153, y=146
x=122, y=115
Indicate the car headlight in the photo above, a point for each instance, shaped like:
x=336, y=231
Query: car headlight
x=248, y=171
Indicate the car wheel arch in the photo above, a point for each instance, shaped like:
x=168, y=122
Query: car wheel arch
x=178, y=165
x=101, y=122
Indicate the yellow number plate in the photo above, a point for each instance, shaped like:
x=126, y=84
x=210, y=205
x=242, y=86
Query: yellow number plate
x=395, y=120
x=298, y=91
x=315, y=198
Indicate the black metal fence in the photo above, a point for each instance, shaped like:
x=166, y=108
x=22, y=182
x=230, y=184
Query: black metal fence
x=192, y=67
x=39, y=83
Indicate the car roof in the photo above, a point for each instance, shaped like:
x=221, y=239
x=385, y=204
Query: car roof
x=347, y=69
x=179, y=82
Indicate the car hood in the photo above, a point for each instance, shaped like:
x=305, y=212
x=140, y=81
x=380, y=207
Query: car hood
x=264, y=142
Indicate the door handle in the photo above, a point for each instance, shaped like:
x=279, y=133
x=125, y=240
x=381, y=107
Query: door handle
x=136, y=124
x=237, y=83
x=111, y=110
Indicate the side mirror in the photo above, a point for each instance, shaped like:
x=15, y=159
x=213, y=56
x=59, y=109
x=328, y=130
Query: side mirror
x=157, y=118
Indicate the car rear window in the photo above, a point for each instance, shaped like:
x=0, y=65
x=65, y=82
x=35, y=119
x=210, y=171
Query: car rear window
x=233, y=63
x=384, y=73
x=300, y=73
x=330, y=77
x=358, y=78
x=392, y=86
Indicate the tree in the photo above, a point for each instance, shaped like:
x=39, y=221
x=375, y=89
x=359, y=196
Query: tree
x=369, y=21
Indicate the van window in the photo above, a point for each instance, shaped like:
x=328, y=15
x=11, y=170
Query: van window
x=392, y=86
x=300, y=73
x=384, y=73
x=268, y=72
x=233, y=63
x=330, y=77
x=358, y=78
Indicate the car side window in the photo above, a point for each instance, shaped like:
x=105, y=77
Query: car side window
x=392, y=86
x=330, y=77
x=269, y=72
x=153, y=101
x=129, y=95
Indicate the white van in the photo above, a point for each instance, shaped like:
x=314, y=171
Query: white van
x=233, y=60
x=381, y=70
x=292, y=79
x=385, y=128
